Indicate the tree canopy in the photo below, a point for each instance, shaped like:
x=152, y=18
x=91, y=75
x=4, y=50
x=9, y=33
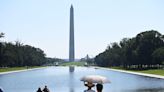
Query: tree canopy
x=18, y=54
x=144, y=49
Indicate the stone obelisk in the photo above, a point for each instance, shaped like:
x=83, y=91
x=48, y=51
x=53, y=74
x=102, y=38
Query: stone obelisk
x=71, y=38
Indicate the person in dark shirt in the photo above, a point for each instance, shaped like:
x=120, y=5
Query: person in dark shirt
x=39, y=90
x=46, y=89
x=99, y=87
x=1, y=90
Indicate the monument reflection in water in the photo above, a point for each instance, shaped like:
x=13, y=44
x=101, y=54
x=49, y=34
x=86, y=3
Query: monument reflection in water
x=71, y=81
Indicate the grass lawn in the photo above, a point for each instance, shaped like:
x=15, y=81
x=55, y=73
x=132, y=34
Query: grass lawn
x=73, y=63
x=151, y=71
x=16, y=68
x=154, y=71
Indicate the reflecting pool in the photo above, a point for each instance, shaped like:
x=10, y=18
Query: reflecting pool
x=59, y=79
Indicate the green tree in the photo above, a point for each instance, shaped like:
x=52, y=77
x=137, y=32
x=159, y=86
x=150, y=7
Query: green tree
x=148, y=42
x=140, y=50
x=2, y=35
x=158, y=56
x=1, y=49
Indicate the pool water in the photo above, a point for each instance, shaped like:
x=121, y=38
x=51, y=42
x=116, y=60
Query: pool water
x=59, y=79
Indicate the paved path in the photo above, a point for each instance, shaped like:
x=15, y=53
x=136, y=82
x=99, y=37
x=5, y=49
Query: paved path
x=136, y=73
x=20, y=70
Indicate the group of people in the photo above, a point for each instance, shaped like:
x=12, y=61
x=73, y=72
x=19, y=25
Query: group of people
x=99, y=87
x=44, y=90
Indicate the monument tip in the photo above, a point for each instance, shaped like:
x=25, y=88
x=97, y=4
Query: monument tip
x=71, y=6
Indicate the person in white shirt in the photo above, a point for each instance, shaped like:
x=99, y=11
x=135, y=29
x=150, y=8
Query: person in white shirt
x=89, y=85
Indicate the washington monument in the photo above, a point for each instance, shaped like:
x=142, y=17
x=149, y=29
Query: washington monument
x=71, y=36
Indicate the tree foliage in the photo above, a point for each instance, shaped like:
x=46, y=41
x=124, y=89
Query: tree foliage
x=158, y=56
x=144, y=49
x=17, y=54
x=2, y=35
x=20, y=55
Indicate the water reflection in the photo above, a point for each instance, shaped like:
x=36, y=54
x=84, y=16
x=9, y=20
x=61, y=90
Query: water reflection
x=71, y=82
x=59, y=79
x=146, y=90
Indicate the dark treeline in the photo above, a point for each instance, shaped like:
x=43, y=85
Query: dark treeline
x=54, y=61
x=144, y=51
x=20, y=55
x=17, y=54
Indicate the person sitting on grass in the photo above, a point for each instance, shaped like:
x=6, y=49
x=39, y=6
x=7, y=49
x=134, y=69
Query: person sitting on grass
x=99, y=87
x=89, y=85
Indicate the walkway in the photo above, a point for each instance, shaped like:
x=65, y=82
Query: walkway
x=16, y=71
x=136, y=73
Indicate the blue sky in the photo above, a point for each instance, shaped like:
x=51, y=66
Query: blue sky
x=45, y=23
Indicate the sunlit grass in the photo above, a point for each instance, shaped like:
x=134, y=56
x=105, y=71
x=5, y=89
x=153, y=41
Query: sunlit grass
x=154, y=71
x=73, y=63
x=16, y=68
x=150, y=71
